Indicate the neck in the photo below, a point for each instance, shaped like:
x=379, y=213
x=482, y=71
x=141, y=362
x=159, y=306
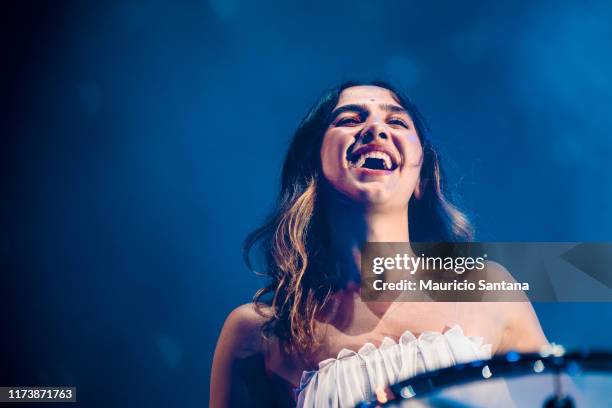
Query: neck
x=351, y=226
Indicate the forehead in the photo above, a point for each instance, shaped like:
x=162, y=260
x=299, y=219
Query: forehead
x=366, y=94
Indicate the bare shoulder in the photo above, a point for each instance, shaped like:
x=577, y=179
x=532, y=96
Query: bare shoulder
x=238, y=360
x=242, y=329
x=522, y=330
x=498, y=270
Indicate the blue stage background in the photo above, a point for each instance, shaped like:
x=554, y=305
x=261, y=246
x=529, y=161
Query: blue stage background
x=143, y=140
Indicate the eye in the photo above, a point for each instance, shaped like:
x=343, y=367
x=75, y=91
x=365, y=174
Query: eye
x=398, y=122
x=348, y=121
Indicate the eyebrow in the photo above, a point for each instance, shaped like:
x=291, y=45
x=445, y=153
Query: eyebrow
x=392, y=108
x=362, y=109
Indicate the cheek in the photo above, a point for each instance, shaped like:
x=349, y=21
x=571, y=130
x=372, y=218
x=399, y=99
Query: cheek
x=412, y=151
x=332, y=155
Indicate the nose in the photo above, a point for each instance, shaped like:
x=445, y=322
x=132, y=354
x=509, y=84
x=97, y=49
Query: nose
x=372, y=133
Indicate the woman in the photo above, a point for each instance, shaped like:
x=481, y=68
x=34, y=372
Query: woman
x=360, y=169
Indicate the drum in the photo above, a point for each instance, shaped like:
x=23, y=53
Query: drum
x=557, y=379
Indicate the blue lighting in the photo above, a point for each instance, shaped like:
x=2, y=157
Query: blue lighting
x=512, y=356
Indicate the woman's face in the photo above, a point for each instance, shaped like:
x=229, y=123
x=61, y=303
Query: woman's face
x=371, y=152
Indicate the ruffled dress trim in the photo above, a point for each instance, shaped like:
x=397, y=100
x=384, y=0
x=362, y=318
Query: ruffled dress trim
x=353, y=376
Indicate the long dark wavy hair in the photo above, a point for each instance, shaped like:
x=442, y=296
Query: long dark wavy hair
x=294, y=240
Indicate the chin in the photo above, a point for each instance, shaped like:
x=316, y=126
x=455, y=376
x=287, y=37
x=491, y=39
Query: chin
x=374, y=195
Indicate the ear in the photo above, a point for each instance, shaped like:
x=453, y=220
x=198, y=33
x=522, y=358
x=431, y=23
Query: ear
x=420, y=186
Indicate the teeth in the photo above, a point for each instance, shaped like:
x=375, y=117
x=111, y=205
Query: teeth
x=361, y=161
x=374, y=155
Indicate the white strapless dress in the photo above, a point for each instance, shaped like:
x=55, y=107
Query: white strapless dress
x=354, y=376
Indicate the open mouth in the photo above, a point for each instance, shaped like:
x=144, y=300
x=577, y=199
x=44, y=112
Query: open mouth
x=372, y=158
